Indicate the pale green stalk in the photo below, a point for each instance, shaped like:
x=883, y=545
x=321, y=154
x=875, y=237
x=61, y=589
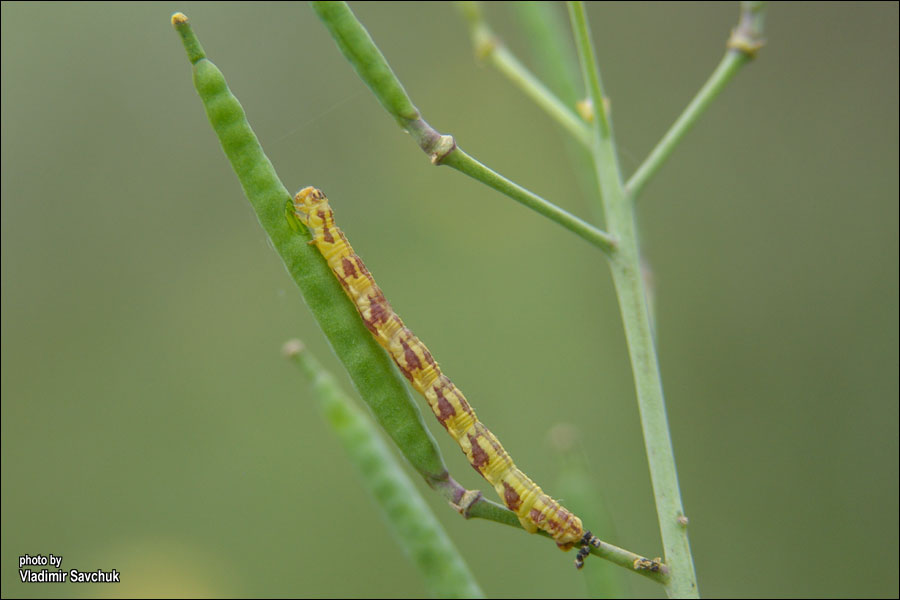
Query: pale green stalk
x=626, y=271
x=745, y=40
x=489, y=47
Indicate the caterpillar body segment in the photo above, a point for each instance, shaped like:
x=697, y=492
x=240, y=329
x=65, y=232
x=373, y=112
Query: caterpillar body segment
x=535, y=509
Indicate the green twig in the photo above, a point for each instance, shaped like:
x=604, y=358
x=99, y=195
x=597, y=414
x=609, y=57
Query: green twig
x=488, y=46
x=408, y=516
x=370, y=64
x=464, y=163
x=626, y=271
x=745, y=41
x=589, y=70
x=485, y=509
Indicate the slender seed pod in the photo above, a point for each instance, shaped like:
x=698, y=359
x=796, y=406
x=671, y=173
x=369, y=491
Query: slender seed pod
x=385, y=393
x=417, y=529
x=535, y=509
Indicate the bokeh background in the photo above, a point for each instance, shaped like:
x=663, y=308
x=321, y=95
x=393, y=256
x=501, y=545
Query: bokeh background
x=149, y=423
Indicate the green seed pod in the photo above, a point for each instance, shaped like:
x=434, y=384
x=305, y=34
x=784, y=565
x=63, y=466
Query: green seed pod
x=369, y=367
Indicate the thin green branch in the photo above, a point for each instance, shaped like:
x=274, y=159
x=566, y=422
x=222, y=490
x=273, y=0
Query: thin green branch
x=370, y=64
x=654, y=569
x=415, y=526
x=745, y=41
x=728, y=67
x=488, y=46
x=464, y=163
x=589, y=70
x=626, y=271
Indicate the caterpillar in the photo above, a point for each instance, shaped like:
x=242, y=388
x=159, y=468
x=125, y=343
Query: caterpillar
x=535, y=509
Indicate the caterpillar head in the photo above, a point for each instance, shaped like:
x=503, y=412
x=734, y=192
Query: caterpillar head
x=308, y=200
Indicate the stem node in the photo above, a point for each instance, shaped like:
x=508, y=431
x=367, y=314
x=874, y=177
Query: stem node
x=444, y=146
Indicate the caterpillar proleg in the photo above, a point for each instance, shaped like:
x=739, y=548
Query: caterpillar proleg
x=535, y=509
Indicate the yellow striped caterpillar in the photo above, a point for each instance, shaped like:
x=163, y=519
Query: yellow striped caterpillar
x=535, y=509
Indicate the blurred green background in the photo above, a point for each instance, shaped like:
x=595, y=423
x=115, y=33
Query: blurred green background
x=149, y=423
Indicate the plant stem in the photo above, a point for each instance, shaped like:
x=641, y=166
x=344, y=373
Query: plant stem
x=589, y=70
x=491, y=511
x=745, y=40
x=415, y=526
x=464, y=163
x=629, y=284
x=370, y=64
x=728, y=67
x=488, y=46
